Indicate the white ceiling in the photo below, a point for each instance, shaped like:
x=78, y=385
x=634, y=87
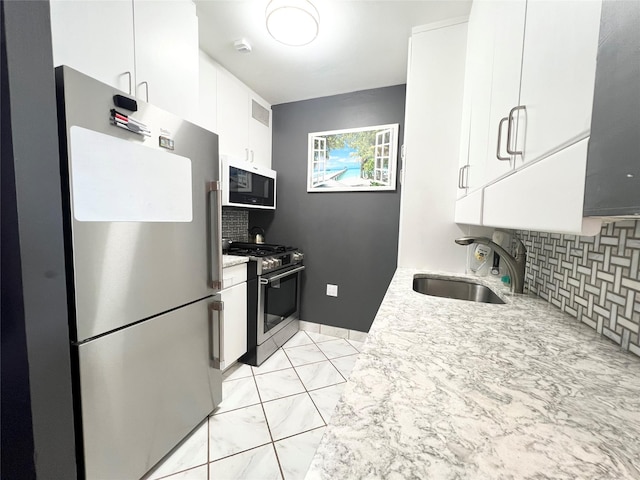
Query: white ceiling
x=361, y=45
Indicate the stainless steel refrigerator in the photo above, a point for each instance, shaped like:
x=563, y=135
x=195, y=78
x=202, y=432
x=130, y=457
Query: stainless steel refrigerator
x=143, y=248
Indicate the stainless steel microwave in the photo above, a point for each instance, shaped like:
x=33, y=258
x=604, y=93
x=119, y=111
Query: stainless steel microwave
x=247, y=185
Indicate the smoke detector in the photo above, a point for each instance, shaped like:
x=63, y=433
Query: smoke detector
x=242, y=45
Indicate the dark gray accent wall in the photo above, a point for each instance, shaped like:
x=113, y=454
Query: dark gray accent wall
x=350, y=239
x=37, y=310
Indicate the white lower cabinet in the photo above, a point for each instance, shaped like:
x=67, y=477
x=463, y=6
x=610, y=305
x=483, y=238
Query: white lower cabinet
x=230, y=321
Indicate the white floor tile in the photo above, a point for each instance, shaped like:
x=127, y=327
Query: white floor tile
x=277, y=361
x=326, y=399
x=199, y=473
x=237, y=394
x=236, y=431
x=192, y=452
x=305, y=354
x=320, y=337
x=279, y=384
x=300, y=338
x=356, y=344
x=318, y=375
x=239, y=370
x=292, y=415
x=337, y=348
x=295, y=453
x=257, y=464
x=345, y=364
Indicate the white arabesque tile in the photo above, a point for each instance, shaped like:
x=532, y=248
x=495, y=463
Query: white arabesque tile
x=326, y=399
x=277, y=361
x=191, y=452
x=278, y=384
x=318, y=375
x=295, y=453
x=345, y=364
x=337, y=348
x=257, y=464
x=238, y=393
x=305, y=354
x=292, y=415
x=236, y=431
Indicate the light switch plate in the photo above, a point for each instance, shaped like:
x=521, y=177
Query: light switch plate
x=332, y=290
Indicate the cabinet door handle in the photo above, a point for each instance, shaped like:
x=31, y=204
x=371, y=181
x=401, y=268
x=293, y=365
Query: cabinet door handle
x=510, y=129
x=461, y=177
x=146, y=84
x=217, y=347
x=251, y=156
x=246, y=154
x=498, y=156
x=129, y=75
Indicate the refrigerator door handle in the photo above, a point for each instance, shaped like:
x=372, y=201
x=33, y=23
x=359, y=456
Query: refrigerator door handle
x=217, y=345
x=215, y=235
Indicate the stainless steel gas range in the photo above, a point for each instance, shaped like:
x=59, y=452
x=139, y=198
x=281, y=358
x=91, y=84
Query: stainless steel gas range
x=273, y=282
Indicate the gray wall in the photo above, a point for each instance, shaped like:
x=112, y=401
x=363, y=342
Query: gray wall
x=36, y=309
x=349, y=238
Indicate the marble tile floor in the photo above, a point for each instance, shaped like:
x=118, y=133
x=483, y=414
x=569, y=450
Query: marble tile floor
x=272, y=417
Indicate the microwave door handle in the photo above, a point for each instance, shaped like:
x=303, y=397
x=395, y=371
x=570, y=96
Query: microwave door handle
x=215, y=235
x=264, y=281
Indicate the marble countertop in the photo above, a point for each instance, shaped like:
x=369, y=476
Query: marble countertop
x=448, y=389
x=231, y=260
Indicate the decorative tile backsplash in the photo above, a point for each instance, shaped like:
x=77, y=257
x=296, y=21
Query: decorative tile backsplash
x=595, y=279
x=235, y=224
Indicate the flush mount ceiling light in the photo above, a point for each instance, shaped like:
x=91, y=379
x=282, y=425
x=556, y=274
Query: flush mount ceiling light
x=292, y=22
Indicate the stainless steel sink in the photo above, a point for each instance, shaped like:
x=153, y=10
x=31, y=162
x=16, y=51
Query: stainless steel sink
x=459, y=289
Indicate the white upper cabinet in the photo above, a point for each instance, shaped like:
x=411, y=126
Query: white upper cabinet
x=508, y=32
x=166, y=36
x=474, y=140
x=528, y=96
x=558, y=75
x=145, y=48
x=95, y=38
x=244, y=122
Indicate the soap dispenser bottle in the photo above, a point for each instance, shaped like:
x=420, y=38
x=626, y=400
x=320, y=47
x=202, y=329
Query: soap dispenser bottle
x=479, y=259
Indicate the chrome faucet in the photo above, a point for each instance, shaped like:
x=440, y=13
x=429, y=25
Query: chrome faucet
x=516, y=265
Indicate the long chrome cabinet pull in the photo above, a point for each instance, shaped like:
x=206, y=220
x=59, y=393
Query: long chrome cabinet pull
x=146, y=84
x=461, y=177
x=498, y=156
x=217, y=354
x=129, y=75
x=510, y=129
x=215, y=234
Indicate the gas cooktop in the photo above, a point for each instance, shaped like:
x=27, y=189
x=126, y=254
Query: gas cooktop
x=269, y=257
x=257, y=249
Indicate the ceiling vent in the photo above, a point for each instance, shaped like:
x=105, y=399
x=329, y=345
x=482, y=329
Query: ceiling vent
x=259, y=113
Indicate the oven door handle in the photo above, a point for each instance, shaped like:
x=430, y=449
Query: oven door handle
x=266, y=281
